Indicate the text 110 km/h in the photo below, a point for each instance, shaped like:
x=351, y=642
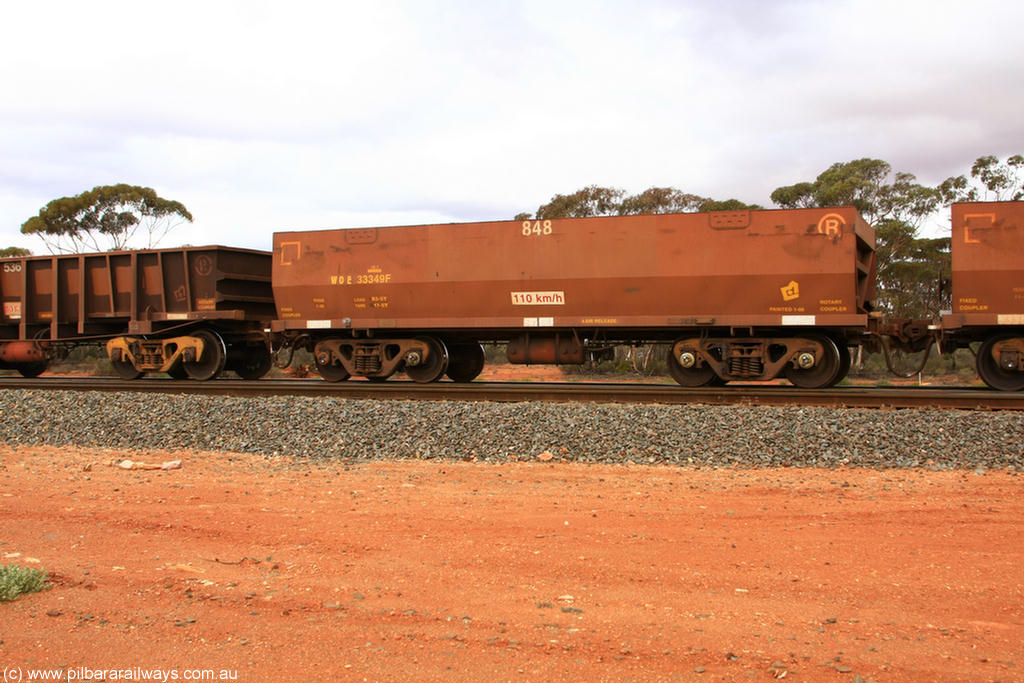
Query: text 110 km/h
x=538, y=298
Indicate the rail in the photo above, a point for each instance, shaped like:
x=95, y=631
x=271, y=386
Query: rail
x=962, y=398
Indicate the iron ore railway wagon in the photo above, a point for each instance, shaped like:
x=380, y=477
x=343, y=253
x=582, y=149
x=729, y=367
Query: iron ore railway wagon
x=189, y=312
x=748, y=295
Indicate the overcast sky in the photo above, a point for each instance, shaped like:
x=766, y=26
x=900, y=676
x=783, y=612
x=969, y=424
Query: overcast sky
x=269, y=115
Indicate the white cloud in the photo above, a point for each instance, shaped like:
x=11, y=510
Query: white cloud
x=267, y=115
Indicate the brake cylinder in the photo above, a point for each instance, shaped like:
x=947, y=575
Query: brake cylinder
x=22, y=352
x=549, y=349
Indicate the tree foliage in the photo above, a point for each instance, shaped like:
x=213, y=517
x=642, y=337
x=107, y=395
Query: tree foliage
x=990, y=180
x=913, y=272
x=107, y=217
x=870, y=186
x=8, y=252
x=660, y=200
x=595, y=200
x=589, y=201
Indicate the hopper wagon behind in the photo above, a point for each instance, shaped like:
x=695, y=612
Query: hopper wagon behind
x=190, y=312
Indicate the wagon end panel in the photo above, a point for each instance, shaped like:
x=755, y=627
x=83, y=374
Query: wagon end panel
x=13, y=272
x=988, y=264
x=241, y=282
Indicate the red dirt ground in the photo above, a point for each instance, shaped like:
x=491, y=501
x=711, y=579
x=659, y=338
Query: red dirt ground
x=279, y=570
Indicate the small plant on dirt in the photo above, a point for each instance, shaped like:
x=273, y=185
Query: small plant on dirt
x=15, y=580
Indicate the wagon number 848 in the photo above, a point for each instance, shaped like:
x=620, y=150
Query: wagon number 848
x=536, y=228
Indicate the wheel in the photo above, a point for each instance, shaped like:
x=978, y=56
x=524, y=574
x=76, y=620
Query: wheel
x=254, y=363
x=433, y=366
x=697, y=376
x=331, y=372
x=177, y=371
x=125, y=369
x=825, y=372
x=845, y=362
x=991, y=372
x=32, y=369
x=465, y=361
x=211, y=363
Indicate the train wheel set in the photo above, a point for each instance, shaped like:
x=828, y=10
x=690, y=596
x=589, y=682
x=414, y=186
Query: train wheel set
x=424, y=359
x=811, y=361
x=201, y=355
x=999, y=361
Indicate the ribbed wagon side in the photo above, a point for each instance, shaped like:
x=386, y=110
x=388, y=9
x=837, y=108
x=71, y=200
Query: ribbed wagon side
x=191, y=311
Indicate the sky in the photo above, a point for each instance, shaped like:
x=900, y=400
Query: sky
x=261, y=115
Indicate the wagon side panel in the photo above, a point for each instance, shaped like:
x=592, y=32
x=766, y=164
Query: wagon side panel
x=754, y=268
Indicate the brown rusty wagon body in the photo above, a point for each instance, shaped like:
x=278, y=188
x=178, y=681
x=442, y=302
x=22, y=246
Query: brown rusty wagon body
x=188, y=311
x=737, y=295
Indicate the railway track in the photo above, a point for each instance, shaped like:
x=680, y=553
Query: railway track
x=964, y=398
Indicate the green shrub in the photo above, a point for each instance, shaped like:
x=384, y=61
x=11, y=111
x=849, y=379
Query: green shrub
x=15, y=580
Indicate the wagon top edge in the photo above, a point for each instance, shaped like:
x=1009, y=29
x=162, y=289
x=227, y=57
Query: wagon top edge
x=848, y=210
x=121, y=252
